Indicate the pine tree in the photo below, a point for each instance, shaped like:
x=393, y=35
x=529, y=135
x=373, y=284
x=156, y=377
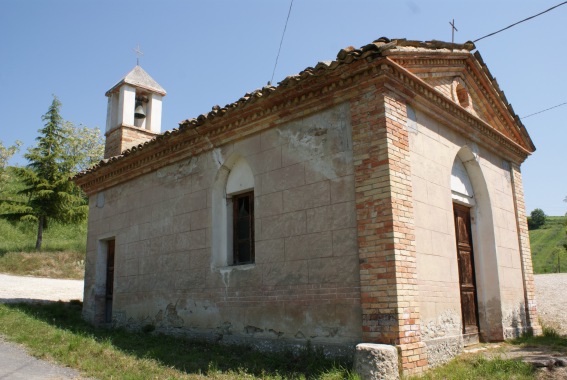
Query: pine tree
x=49, y=194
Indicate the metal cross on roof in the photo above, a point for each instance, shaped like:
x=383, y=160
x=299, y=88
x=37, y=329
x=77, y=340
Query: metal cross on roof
x=453, y=28
x=138, y=54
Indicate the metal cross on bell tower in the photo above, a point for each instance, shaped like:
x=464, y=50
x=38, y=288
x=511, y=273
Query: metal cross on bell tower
x=138, y=54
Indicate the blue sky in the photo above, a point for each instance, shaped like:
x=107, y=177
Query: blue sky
x=212, y=52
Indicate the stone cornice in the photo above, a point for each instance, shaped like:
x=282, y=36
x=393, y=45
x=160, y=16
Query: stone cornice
x=311, y=91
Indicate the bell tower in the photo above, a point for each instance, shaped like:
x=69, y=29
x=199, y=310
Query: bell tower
x=134, y=112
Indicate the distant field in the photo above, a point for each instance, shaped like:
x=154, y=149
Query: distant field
x=547, y=246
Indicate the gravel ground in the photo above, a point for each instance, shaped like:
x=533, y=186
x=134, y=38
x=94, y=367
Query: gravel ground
x=551, y=297
x=18, y=289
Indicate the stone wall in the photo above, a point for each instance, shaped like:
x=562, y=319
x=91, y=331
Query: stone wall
x=304, y=284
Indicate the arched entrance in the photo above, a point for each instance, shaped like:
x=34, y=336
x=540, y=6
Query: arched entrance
x=479, y=283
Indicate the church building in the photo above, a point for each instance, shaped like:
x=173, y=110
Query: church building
x=376, y=198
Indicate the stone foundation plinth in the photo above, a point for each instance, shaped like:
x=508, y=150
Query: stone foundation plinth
x=376, y=361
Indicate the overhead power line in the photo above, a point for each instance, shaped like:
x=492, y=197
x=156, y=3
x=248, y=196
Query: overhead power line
x=547, y=109
x=519, y=22
x=281, y=42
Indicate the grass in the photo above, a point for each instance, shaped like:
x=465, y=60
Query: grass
x=547, y=245
x=62, y=255
x=469, y=367
x=21, y=237
x=550, y=338
x=477, y=366
x=44, y=264
x=56, y=331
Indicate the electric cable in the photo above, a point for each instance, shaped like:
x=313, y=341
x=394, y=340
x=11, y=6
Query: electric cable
x=281, y=42
x=547, y=109
x=519, y=22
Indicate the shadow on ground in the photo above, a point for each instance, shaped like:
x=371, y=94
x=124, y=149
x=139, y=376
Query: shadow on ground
x=189, y=356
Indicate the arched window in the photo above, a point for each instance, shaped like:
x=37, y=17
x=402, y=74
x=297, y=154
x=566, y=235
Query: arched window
x=233, y=214
x=240, y=203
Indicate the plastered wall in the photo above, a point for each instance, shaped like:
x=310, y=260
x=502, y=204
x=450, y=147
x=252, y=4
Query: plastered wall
x=304, y=284
x=434, y=148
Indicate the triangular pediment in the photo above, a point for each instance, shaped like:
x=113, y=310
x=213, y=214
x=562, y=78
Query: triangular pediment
x=465, y=80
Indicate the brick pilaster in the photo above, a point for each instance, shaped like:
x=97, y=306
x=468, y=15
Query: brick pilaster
x=525, y=250
x=125, y=137
x=383, y=188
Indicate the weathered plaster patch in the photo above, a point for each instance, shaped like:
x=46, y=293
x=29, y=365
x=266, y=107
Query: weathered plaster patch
x=217, y=157
x=163, y=319
x=319, y=140
x=443, y=337
x=514, y=322
x=173, y=319
x=265, y=339
x=223, y=329
x=179, y=170
x=278, y=334
x=448, y=323
x=441, y=350
x=252, y=330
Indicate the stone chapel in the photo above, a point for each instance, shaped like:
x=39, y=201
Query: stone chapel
x=375, y=198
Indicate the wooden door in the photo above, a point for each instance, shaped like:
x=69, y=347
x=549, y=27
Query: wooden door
x=467, y=281
x=109, y=281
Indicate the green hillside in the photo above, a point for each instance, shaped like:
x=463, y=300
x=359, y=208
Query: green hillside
x=62, y=255
x=20, y=237
x=547, y=245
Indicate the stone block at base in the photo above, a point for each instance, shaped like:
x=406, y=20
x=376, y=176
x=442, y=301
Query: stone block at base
x=376, y=361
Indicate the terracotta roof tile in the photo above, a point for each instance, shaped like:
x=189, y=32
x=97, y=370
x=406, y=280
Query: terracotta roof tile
x=376, y=49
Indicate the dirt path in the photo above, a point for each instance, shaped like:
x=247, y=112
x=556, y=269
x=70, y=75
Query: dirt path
x=551, y=296
x=18, y=289
x=16, y=363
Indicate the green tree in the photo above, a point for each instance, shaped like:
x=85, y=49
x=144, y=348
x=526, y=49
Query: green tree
x=5, y=154
x=84, y=146
x=537, y=219
x=48, y=192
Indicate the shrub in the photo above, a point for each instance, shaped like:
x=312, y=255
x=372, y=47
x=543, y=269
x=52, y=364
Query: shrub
x=536, y=219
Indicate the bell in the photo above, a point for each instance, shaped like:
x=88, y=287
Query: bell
x=139, y=112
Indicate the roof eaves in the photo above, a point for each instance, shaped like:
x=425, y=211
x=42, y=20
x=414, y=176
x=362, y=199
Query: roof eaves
x=374, y=50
